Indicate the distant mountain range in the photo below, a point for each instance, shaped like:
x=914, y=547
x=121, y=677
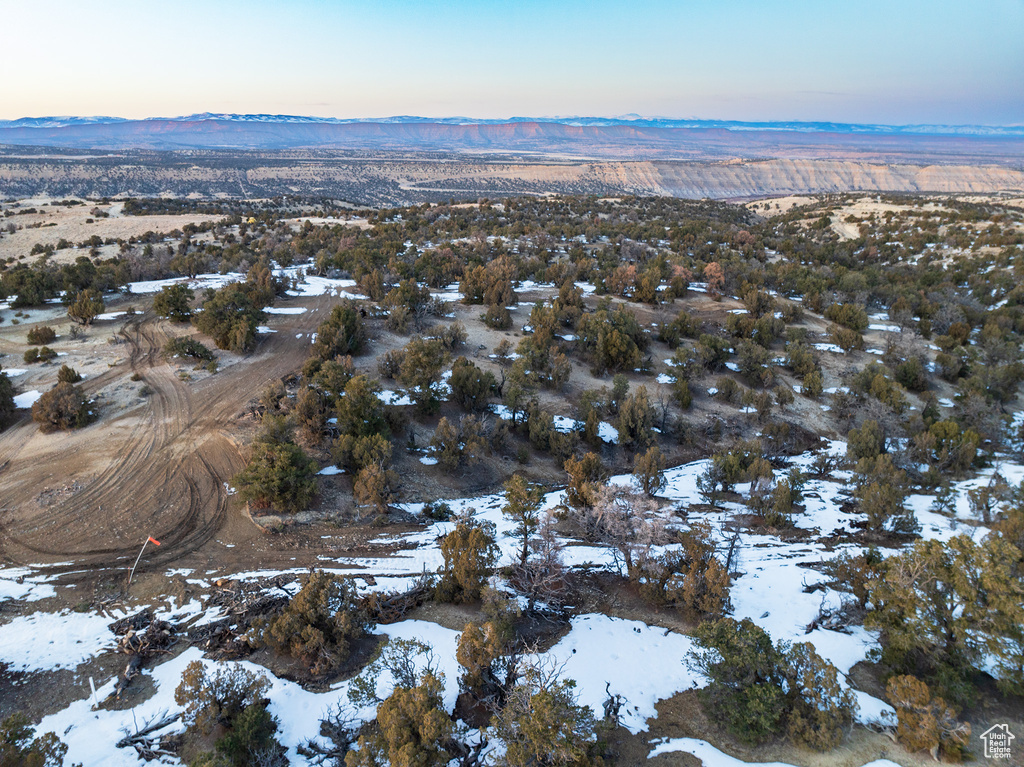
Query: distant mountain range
x=628, y=137
x=631, y=120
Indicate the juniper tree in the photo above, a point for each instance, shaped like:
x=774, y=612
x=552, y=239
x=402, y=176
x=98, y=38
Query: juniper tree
x=522, y=506
x=469, y=553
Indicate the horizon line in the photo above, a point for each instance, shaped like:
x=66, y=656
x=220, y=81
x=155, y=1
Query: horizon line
x=464, y=120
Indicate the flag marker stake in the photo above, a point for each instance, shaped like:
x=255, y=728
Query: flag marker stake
x=144, y=544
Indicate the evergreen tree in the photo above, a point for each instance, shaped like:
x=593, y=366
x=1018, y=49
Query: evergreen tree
x=522, y=506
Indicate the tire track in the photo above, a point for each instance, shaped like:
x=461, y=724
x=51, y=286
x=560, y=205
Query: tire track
x=166, y=476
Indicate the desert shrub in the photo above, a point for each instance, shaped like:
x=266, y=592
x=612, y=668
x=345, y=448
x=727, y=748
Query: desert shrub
x=542, y=723
x=174, y=302
x=469, y=553
x=183, y=346
x=683, y=326
x=854, y=573
x=218, y=698
x=42, y=354
x=454, y=446
x=755, y=363
x=389, y=364
x=399, y=319
x=452, y=336
x=820, y=711
x=852, y=316
x=87, y=305
x=743, y=670
x=648, y=471
x=690, y=574
x=522, y=506
x=948, y=448
x=446, y=446
x=311, y=413
x=471, y=386
x=743, y=463
x=845, y=338
x=18, y=747
x=64, y=407
x=925, y=723
x=497, y=318
x=68, y=375
x=7, y=409
x=412, y=729
x=636, y=420
x=43, y=334
x=800, y=359
x=868, y=441
x=875, y=380
x=319, y=624
x=230, y=316
x=438, y=511
x=618, y=394
x=813, y=384
x=728, y=390
x=712, y=352
x=360, y=412
x=911, y=374
x=251, y=741
x=612, y=340
x=376, y=486
x=422, y=363
x=585, y=477
x=278, y=473
x=944, y=609
x=340, y=334
x=760, y=689
x=357, y=453
x=481, y=646
x=881, y=489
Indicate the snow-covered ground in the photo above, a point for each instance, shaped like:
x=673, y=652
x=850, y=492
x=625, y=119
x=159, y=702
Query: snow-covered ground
x=643, y=663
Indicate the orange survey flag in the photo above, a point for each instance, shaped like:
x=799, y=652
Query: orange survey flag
x=154, y=541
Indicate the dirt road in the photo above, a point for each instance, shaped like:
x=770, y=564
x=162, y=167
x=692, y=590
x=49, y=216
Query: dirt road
x=87, y=499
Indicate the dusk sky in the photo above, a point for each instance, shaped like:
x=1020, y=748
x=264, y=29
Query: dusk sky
x=887, y=61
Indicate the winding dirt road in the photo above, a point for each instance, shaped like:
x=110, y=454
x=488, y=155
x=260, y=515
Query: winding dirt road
x=160, y=468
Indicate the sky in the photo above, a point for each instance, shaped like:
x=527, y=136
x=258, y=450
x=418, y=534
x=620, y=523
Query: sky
x=866, y=61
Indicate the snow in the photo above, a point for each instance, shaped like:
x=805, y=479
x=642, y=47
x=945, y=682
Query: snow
x=565, y=425
x=25, y=400
x=23, y=585
x=12, y=372
x=502, y=412
x=285, y=310
x=200, y=282
x=110, y=315
x=884, y=328
x=642, y=663
x=264, y=330
x=712, y=757
x=330, y=471
x=734, y=367
x=389, y=397
x=43, y=641
x=665, y=379
x=608, y=433
x=600, y=650
x=311, y=285
x=829, y=348
x=428, y=460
